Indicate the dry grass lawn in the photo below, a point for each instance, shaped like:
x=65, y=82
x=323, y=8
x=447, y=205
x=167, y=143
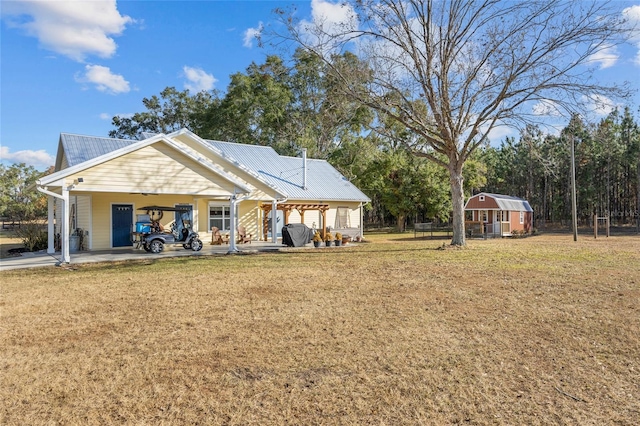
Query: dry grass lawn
x=535, y=331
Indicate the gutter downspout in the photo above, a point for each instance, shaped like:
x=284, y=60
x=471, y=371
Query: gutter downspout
x=64, y=237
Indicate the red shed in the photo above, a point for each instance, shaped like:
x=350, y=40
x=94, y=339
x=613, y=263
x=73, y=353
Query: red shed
x=500, y=215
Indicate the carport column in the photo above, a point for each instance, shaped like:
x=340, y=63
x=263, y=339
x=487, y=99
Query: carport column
x=274, y=221
x=232, y=231
x=64, y=225
x=50, y=228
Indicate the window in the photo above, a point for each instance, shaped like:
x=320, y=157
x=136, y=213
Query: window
x=481, y=198
x=521, y=217
x=484, y=217
x=342, y=218
x=220, y=217
x=504, y=216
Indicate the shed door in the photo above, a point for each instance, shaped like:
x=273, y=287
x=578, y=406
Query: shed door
x=121, y=225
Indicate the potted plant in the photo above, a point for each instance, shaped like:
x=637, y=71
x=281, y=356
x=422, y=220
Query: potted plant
x=328, y=238
x=317, y=239
x=338, y=239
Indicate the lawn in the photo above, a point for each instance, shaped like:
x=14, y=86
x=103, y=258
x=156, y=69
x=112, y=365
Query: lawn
x=533, y=331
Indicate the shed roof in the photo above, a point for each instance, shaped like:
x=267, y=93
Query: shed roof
x=507, y=202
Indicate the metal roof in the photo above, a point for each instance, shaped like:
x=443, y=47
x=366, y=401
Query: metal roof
x=507, y=202
x=324, y=182
x=79, y=149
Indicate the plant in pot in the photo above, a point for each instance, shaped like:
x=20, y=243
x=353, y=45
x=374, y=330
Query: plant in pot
x=328, y=238
x=317, y=239
x=338, y=239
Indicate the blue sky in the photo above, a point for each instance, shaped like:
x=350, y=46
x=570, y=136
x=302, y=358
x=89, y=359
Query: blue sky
x=70, y=66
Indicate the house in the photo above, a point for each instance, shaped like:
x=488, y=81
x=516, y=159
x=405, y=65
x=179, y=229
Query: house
x=499, y=215
x=100, y=184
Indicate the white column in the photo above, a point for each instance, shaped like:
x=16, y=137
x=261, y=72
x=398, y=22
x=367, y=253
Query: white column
x=64, y=227
x=232, y=232
x=274, y=221
x=50, y=226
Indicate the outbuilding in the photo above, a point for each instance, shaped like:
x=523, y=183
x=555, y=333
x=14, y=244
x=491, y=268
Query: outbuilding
x=497, y=215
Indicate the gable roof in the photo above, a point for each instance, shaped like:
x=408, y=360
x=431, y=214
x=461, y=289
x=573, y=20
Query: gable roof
x=283, y=174
x=88, y=151
x=78, y=149
x=506, y=202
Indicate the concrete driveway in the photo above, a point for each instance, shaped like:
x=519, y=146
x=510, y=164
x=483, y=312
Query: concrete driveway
x=40, y=259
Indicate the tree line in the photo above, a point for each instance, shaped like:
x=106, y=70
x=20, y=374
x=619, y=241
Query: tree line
x=290, y=107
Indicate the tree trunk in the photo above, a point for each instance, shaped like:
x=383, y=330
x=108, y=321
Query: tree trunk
x=402, y=218
x=457, y=200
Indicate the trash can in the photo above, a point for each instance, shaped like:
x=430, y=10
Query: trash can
x=74, y=243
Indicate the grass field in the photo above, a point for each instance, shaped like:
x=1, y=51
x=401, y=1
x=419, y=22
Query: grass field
x=532, y=331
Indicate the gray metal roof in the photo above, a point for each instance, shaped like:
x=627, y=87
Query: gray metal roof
x=79, y=149
x=507, y=202
x=324, y=182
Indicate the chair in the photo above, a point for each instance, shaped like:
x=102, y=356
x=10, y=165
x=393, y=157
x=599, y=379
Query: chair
x=216, y=237
x=242, y=235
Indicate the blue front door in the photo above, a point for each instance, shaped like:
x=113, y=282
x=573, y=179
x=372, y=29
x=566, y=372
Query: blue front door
x=121, y=224
x=183, y=217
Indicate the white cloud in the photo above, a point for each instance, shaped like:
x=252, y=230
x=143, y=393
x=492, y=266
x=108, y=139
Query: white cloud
x=546, y=107
x=252, y=33
x=74, y=28
x=599, y=105
x=328, y=19
x=606, y=57
x=38, y=159
x=632, y=14
x=104, y=79
x=197, y=79
x=106, y=116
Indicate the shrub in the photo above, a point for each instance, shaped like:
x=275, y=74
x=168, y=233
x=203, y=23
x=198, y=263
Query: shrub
x=33, y=235
x=317, y=237
x=328, y=236
x=338, y=236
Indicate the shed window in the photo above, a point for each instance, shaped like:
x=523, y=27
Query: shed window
x=503, y=215
x=521, y=217
x=481, y=198
x=484, y=217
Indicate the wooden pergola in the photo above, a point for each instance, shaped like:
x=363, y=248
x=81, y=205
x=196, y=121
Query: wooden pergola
x=300, y=207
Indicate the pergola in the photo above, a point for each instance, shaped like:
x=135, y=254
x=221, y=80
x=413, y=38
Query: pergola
x=300, y=207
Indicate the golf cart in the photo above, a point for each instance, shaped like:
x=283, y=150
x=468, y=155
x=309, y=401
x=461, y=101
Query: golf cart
x=150, y=235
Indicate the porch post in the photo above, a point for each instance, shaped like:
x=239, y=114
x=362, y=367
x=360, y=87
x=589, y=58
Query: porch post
x=64, y=227
x=274, y=221
x=50, y=226
x=232, y=231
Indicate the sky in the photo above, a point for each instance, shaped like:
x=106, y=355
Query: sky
x=70, y=66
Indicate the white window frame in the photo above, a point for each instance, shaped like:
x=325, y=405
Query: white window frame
x=484, y=216
x=481, y=198
x=521, y=217
x=226, y=219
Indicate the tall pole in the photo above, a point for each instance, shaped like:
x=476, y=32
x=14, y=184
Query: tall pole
x=574, y=203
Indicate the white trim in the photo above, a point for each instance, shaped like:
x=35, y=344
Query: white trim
x=61, y=174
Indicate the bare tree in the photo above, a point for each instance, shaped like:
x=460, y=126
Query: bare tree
x=453, y=70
